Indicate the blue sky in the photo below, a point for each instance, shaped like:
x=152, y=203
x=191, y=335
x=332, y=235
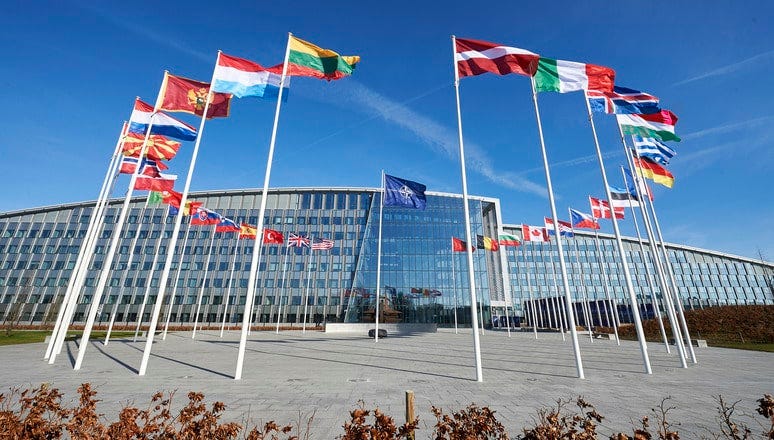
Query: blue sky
x=72, y=69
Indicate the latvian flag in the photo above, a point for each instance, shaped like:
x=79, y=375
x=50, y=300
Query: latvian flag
x=565, y=228
x=533, y=233
x=475, y=57
x=601, y=209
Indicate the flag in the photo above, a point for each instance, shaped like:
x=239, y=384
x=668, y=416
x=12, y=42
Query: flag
x=191, y=207
x=487, y=243
x=180, y=94
x=172, y=198
x=158, y=148
x=148, y=167
x=204, y=217
x=659, y=125
x=402, y=192
x=569, y=76
x=247, y=231
x=321, y=244
x=565, y=228
x=242, y=78
x=582, y=220
x=621, y=197
x=155, y=198
x=227, y=225
x=297, y=240
x=653, y=149
x=509, y=240
x=533, y=233
x=164, y=182
x=306, y=59
x=163, y=124
x=644, y=189
x=475, y=57
x=459, y=245
x=601, y=209
x=654, y=171
x=270, y=236
x=623, y=100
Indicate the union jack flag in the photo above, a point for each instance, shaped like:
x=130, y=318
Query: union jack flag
x=297, y=240
x=321, y=244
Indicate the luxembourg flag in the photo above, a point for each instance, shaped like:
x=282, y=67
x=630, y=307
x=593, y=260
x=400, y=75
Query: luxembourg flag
x=242, y=78
x=163, y=124
x=582, y=220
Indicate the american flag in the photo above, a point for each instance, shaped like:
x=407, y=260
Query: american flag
x=322, y=243
x=297, y=240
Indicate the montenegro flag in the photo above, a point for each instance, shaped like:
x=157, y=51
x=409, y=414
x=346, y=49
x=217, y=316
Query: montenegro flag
x=186, y=95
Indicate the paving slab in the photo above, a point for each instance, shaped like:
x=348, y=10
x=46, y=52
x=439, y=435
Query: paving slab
x=293, y=375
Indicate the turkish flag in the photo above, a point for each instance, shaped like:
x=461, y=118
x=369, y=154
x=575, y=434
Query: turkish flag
x=270, y=236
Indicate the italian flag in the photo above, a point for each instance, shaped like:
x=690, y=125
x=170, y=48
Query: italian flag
x=569, y=76
x=306, y=59
x=659, y=125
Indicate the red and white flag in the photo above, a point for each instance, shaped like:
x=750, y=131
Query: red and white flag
x=601, y=209
x=475, y=57
x=533, y=233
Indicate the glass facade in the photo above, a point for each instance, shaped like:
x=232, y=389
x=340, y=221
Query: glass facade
x=422, y=279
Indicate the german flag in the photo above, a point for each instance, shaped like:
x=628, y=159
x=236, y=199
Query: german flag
x=487, y=243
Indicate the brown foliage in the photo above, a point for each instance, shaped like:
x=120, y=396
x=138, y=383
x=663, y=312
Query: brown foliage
x=471, y=423
x=558, y=422
x=383, y=428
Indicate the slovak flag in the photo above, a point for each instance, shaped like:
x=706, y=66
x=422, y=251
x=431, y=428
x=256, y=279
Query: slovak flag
x=533, y=233
x=204, y=216
x=565, y=228
x=582, y=220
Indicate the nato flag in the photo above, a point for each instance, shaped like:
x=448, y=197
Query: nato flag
x=402, y=192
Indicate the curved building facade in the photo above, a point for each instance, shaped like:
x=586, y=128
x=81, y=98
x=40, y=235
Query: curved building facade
x=422, y=279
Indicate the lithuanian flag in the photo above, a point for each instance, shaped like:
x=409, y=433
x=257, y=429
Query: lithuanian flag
x=306, y=59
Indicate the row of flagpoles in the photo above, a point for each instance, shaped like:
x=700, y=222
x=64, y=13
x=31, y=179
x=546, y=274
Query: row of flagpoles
x=145, y=139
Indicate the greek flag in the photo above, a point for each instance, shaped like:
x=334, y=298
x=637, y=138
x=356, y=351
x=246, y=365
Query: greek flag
x=405, y=193
x=653, y=149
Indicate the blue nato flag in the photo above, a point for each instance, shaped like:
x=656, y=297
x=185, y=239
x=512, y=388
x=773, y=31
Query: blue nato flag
x=405, y=193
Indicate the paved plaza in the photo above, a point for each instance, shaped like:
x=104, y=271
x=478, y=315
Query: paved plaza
x=327, y=374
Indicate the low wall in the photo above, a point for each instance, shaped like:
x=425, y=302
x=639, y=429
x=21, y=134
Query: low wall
x=392, y=329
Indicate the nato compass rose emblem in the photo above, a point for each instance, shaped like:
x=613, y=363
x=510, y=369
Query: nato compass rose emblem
x=406, y=192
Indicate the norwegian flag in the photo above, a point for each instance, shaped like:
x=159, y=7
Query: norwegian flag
x=297, y=240
x=321, y=244
x=601, y=209
x=149, y=167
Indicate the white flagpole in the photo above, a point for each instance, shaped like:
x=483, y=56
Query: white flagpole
x=562, y=264
x=621, y=251
x=558, y=315
x=471, y=273
x=671, y=314
x=148, y=285
x=605, y=281
x=379, y=259
x=454, y=291
x=279, y=293
x=651, y=286
x=538, y=305
x=171, y=305
x=308, y=282
x=260, y=231
x=584, y=304
x=204, y=282
x=88, y=244
x=533, y=318
x=113, y=247
x=175, y=232
x=257, y=284
x=230, y=284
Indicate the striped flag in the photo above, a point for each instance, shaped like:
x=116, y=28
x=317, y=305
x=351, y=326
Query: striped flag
x=659, y=125
x=623, y=100
x=621, y=197
x=569, y=76
x=474, y=57
x=654, y=171
x=565, y=228
x=321, y=244
x=509, y=240
x=653, y=149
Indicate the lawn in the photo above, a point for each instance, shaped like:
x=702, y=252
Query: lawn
x=33, y=336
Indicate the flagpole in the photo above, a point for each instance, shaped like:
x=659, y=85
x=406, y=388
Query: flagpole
x=605, y=281
x=557, y=313
x=113, y=246
x=278, y=295
x=171, y=305
x=665, y=289
x=621, y=251
x=379, y=259
x=306, y=293
x=230, y=285
x=261, y=212
x=538, y=305
x=129, y=261
x=454, y=290
x=471, y=274
x=175, y=232
x=585, y=303
x=204, y=282
x=255, y=286
x=533, y=318
x=88, y=243
x=651, y=286
x=148, y=286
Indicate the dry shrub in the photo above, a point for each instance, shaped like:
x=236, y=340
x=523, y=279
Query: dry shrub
x=471, y=423
x=558, y=422
x=383, y=427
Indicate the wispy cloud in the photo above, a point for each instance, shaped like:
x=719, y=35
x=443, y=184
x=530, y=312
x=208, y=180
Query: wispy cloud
x=730, y=68
x=722, y=129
